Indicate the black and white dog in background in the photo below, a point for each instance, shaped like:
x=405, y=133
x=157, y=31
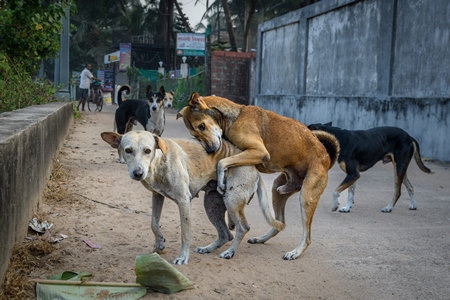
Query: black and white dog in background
x=152, y=118
x=158, y=102
x=148, y=112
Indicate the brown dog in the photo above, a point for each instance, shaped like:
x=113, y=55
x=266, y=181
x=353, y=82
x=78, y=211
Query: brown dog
x=274, y=144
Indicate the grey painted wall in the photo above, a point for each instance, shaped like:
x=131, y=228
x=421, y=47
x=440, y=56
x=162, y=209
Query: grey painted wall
x=361, y=64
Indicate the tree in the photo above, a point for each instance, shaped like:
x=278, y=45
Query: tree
x=101, y=25
x=183, y=17
x=241, y=17
x=29, y=30
x=229, y=23
x=161, y=26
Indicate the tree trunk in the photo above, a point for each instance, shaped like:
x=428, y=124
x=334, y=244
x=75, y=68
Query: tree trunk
x=231, y=35
x=161, y=25
x=169, y=18
x=250, y=6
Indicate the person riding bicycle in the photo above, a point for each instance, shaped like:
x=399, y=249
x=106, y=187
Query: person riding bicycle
x=85, y=82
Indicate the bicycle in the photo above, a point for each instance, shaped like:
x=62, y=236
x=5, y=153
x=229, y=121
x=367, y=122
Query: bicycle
x=96, y=97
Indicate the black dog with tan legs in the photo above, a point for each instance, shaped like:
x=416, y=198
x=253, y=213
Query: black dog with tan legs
x=362, y=149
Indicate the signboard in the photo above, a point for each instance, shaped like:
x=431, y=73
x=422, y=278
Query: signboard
x=107, y=77
x=191, y=44
x=125, y=56
x=111, y=57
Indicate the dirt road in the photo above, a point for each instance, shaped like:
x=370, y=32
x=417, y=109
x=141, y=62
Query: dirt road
x=364, y=254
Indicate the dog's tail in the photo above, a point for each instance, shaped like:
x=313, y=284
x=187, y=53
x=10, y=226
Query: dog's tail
x=264, y=204
x=122, y=89
x=418, y=158
x=331, y=145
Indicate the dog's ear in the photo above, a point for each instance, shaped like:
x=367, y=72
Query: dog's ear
x=181, y=112
x=112, y=138
x=328, y=124
x=162, y=90
x=160, y=144
x=148, y=89
x=193, y=101
x=172, y=93
x=196, y=102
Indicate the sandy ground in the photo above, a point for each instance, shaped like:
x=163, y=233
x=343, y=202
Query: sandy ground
x=364, y=254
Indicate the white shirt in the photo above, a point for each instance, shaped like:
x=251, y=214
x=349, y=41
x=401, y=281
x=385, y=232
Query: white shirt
x=85, y=79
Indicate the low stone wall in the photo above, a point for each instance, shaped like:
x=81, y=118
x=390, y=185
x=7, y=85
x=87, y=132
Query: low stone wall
x=29, y=139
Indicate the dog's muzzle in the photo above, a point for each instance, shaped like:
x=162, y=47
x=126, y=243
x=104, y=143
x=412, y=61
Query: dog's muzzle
x=210, y=148
x=138, y=174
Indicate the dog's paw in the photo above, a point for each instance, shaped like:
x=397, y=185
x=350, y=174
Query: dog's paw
x=291, y=255
x=202, y=250
x=181, y=261
x=412, y=207
x=344, y=209
x=227, y=254
x=122, y=161
x=386, y=209
x=255, y=240
x=158, y=248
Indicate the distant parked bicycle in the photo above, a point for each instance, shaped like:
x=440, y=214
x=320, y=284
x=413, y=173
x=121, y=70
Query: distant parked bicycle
x=95, y=101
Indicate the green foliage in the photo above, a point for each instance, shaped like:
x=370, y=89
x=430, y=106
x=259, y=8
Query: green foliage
x=133, y=79
x=182, y=94
x=143, y=83
x=186, y=87
x=76, y=113
x=29, y=30
x=18, y=90
x=133, y=74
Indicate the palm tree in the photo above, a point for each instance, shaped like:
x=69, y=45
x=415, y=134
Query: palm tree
x=102, y=24
x=229, y=23
x=239, y=16
x=214, y=18
x=183, y=17
x=91, y=28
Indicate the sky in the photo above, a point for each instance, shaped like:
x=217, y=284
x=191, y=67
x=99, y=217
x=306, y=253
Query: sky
x=193, y=12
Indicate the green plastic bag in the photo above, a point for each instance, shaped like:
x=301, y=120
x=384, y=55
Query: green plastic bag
x=156, y=273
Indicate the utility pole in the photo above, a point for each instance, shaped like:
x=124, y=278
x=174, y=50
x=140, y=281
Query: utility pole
x=169, y=30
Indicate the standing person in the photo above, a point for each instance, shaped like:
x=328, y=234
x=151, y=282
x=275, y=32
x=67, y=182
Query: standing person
x=85, y=83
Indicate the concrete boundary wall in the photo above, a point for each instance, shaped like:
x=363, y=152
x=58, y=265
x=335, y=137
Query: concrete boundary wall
x=29, y=140
x=361, y=64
